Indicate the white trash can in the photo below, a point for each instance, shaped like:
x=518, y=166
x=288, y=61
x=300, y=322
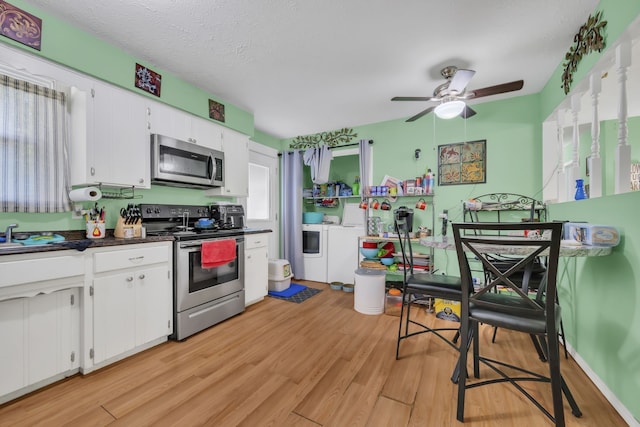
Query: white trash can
x=369, y=297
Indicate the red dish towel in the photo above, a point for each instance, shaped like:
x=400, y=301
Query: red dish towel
x=217, y=252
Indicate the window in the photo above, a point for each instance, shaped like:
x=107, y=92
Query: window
x=258, y=200
x=34, y=146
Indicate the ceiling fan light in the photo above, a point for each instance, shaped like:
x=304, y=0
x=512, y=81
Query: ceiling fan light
x=450, y=109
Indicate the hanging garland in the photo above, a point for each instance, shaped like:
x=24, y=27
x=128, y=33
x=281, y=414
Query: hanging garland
x=588, y=39
x=332, y=139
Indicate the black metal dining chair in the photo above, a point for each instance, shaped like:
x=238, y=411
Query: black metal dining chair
x=503, y=303
x=421, y=288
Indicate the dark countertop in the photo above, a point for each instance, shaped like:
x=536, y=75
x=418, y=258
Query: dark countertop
x=75, y=239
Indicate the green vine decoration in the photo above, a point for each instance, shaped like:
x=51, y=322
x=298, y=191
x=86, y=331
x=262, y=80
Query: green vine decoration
x=588, y=39
x=332, y=139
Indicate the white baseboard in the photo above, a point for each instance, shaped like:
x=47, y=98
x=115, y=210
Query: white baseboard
x=608, y=394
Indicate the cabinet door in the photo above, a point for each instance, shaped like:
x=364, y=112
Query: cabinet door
x=52, y=334
x=256, y=268
x=206, y=133
x=13, y=355
x=235, y=146
x=114, y=316
x=169, y=121
x=153, y=304
x=121, y=153
x=40, y=338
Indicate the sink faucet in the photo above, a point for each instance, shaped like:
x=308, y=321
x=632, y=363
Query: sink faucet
x=8, y=232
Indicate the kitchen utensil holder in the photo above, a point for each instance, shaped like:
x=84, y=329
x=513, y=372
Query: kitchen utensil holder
x=127, y=231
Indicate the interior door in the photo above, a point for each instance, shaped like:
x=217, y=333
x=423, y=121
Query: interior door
x=261, y=207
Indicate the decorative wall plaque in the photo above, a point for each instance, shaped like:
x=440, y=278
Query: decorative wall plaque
x=148, y=80
x=216, y=110
x=462, y=163
x=20, y=26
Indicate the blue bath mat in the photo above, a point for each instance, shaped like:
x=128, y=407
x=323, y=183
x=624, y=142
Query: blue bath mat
x=295, y=293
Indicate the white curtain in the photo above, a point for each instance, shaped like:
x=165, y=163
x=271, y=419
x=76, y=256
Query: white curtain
x=34, y=146
x=365, y=163
x=291, y=209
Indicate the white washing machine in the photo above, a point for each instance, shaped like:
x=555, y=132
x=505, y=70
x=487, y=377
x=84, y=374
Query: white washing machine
x=315, y=250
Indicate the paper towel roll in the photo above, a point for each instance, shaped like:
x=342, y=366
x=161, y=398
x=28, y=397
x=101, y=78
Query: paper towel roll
x=88, y=194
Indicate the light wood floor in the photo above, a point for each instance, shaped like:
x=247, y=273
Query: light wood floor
x=318, y=363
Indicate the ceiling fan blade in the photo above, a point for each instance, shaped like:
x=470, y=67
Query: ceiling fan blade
x=467, y=112
x=494, y=90
x=411, y=98
x=420, y=114
x=460, y=80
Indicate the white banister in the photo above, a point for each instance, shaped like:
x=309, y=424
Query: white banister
x=573, y=171
x=623, y=149
x=595, y=161
x=562, y=176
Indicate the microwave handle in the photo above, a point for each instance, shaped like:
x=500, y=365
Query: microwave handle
x=210, y=167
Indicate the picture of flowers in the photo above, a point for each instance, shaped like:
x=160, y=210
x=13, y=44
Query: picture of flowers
x=462, y=163
x=216, y=110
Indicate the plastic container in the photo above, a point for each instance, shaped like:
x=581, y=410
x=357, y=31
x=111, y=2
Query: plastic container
x=369, y=295
x=312, y=217
x=279, y=275
x=393, y=302
x=591, y=234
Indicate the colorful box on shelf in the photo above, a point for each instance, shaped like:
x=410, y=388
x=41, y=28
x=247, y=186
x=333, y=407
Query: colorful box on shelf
x=591, y=234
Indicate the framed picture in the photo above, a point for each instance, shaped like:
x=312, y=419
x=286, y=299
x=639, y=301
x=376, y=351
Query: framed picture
x=462, y=163
x=148, y=80
x=216, y=111
x=20, y=25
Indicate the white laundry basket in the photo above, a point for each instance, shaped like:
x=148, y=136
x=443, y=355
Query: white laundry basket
x=279, y=275
x=369, y=297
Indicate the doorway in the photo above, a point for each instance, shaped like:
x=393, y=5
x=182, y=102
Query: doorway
x=261, y=206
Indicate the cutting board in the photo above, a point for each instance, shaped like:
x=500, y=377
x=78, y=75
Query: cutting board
x=41, y=240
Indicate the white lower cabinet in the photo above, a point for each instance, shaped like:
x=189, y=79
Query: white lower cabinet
x=132, y=301
x=256, y=267
x=40, y=341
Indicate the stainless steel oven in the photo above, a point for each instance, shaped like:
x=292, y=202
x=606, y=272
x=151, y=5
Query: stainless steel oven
x=206, y=296
x=202, y=297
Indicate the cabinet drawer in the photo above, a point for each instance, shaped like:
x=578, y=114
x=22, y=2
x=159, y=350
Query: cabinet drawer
x=255, y=241
x=127, y=258
x=39, y=269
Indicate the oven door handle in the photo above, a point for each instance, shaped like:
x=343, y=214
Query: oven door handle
x=196, y=244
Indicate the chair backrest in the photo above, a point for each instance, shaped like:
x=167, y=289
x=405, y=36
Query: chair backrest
x=477, y=242
x=404, y=240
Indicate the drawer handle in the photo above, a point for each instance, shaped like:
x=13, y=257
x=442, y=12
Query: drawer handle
x=136, y=258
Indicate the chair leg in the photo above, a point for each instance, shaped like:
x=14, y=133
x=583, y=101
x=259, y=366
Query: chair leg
x=495, y=331
x=402, y=314
x=575, y=410
x=556, y=381
x=564, y=341
x=462, y=366
x=475, y=331
x=539, y=349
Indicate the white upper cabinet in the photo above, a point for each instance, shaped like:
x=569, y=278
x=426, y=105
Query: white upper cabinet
x=170, y=121
x=110, y=138
x=235, y=146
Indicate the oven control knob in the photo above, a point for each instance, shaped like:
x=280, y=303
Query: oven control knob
x=141, y=276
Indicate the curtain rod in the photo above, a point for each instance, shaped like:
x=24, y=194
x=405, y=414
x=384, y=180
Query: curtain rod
x=355, y=144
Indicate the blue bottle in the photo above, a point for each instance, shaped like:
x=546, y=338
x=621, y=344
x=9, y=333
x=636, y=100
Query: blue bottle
x=580, y=193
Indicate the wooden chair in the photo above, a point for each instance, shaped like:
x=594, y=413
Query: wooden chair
x=514, y=309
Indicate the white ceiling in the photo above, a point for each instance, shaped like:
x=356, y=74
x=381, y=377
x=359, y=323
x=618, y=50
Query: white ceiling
x=306, y=66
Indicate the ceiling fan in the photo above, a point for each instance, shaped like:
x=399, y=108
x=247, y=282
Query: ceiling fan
x=451, y=94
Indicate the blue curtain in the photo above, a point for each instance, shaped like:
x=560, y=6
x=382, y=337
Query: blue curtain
x=291, y=210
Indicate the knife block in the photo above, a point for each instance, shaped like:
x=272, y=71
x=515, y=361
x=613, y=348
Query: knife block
x=127, y=231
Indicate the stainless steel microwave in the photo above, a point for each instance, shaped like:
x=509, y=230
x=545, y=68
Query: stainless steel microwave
x=185, y=164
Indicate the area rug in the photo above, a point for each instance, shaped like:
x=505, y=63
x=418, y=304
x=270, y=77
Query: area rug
x=295, y=293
